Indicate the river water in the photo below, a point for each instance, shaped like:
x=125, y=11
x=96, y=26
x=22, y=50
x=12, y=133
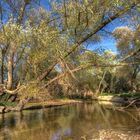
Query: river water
x=86, y=121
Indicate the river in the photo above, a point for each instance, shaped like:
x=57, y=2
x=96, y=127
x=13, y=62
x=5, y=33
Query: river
x=86, y=121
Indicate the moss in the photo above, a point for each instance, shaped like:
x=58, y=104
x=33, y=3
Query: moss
x=11, y=104
x=129, y=95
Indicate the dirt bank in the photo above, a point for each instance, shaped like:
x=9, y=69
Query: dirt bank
x=50, y=103
x=39, y=105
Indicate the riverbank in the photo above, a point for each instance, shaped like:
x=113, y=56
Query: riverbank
x=125, y=99
x=40, y=105
x=50, y=103
x=109, y=100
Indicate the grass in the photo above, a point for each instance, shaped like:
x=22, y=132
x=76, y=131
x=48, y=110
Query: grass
x=121, y=94
x=129, y=95
x=11, y=104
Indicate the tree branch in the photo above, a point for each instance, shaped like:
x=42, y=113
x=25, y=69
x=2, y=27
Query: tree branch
x=101, y=26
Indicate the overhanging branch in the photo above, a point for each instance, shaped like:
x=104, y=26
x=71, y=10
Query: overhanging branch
x=101, y=26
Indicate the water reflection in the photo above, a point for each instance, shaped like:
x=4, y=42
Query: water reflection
x=72, y=122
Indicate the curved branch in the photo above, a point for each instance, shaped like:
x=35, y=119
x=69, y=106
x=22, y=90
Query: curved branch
x=12, y=92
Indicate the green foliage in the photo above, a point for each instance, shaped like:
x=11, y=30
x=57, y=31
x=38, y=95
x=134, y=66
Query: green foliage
x=133, y=95
x=11, y=104
x=36, y=42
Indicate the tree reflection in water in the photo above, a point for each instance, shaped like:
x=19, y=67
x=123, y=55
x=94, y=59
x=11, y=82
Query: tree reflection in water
x=70, y=122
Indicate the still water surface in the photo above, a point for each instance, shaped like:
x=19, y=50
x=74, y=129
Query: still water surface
x=71, y=122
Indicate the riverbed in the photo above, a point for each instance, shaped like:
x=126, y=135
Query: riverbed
x=86, y=121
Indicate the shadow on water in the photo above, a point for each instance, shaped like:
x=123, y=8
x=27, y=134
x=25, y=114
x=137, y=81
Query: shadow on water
x=70, y=122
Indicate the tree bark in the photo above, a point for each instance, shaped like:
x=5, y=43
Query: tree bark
x=2, y=66
x=22, y=103
x=99, y=87
x=133, y=78
x=10, y=70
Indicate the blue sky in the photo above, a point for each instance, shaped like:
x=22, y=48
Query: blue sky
x=109, y=42
x=45, y=4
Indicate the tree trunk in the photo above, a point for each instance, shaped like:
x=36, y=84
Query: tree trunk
x=99, y=87
x=2, y=66
x=22, y=103
x=133, y=78
x=10, y=70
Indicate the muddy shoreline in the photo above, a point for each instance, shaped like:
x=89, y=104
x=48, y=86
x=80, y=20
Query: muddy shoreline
x=104, y=100
x=40, y=105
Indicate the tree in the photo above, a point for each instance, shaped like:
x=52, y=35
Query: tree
x=87, y=29
x=127, y=42
x=46, y=44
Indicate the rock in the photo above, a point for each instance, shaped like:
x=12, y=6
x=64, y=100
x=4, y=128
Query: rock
x=2, y=109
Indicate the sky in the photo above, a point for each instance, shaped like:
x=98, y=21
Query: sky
x=45, y=4
x=107, y=43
